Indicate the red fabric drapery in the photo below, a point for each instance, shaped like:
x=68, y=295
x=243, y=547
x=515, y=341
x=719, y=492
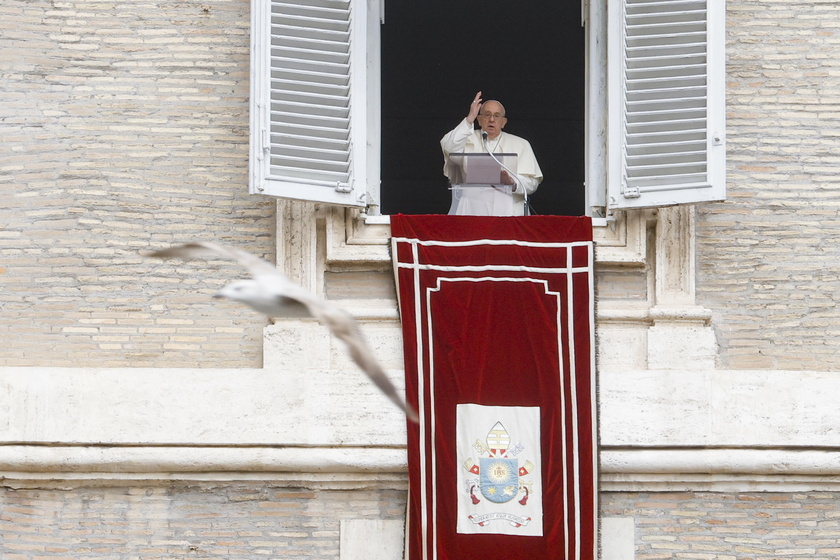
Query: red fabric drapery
x=498, y=319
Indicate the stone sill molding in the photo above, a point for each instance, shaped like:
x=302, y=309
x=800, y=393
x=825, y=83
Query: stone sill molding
x=351, y=239
x=692, y=428
x=721, y=470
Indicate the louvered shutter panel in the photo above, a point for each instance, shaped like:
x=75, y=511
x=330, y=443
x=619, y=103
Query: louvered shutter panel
x=307, y=129
x=666, y=102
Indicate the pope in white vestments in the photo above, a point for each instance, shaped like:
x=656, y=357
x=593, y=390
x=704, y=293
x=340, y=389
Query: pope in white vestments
x=465, y=138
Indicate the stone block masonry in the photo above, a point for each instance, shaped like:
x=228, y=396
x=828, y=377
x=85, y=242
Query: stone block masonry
x=249, y=520
x=243, y=521
x=768, y=264
x=730, y=526
x=125, y=127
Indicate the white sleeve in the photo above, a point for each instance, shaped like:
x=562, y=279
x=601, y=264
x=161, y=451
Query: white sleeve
x=525, y=184
x=456, y=139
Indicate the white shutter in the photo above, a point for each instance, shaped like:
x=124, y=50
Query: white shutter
x=666, y=102
x=309, y=109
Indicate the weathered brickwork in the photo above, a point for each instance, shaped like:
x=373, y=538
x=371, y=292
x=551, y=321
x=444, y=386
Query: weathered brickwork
x=743, y=526
x=769, y=257
x=124, y=127
x=257, y=520
x=243, y=521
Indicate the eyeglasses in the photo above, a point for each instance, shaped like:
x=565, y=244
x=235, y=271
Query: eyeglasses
x=496, y=116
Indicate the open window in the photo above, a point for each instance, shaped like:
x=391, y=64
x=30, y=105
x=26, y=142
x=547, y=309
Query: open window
x=654, y=102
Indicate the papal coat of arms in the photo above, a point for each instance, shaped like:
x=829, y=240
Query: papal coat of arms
x=499, y=479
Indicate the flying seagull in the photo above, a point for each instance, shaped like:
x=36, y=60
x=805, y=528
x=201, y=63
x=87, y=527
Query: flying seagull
x=272, y=293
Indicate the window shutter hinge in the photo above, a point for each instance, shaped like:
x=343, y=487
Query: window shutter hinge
x=631, y=192
x=266, y=146
x=343, y=188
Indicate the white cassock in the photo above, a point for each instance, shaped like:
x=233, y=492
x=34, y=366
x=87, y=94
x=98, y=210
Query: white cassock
x=492, y=202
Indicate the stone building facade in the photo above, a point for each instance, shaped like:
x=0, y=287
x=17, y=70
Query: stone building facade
x=141, y=419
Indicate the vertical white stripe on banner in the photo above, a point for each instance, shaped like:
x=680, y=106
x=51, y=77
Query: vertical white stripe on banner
x=565, y=447
x=593, y=388
x=570, y=294
x=432, y=421
x=424, y=523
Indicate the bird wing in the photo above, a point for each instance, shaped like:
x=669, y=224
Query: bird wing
x=339, y=322
x=255, y=265
x=261, y=270
x=346, y=329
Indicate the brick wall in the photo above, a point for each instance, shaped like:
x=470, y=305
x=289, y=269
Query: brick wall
x=257, y=520
x=741, y=526
x=242, y=521
x=768, y=261
x=125, y=127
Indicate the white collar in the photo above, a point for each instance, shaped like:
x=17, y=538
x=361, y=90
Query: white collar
x=496, y=145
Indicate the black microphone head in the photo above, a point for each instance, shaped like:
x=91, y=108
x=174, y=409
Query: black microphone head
x=484, y=134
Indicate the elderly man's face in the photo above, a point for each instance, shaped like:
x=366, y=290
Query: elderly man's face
x=492, y=119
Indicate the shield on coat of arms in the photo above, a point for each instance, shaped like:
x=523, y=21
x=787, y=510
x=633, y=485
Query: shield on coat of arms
x=499, y=480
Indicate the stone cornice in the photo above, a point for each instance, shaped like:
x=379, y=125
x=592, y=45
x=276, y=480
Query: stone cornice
x=621, y=469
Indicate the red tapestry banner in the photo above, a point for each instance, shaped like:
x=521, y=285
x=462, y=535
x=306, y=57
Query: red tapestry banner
x=498, y=329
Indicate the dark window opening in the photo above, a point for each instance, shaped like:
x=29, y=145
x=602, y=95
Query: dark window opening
x=436, y=54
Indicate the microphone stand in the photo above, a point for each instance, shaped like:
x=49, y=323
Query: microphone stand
x=503, y=166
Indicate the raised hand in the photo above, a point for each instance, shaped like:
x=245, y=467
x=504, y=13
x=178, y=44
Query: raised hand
x=475, y=107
